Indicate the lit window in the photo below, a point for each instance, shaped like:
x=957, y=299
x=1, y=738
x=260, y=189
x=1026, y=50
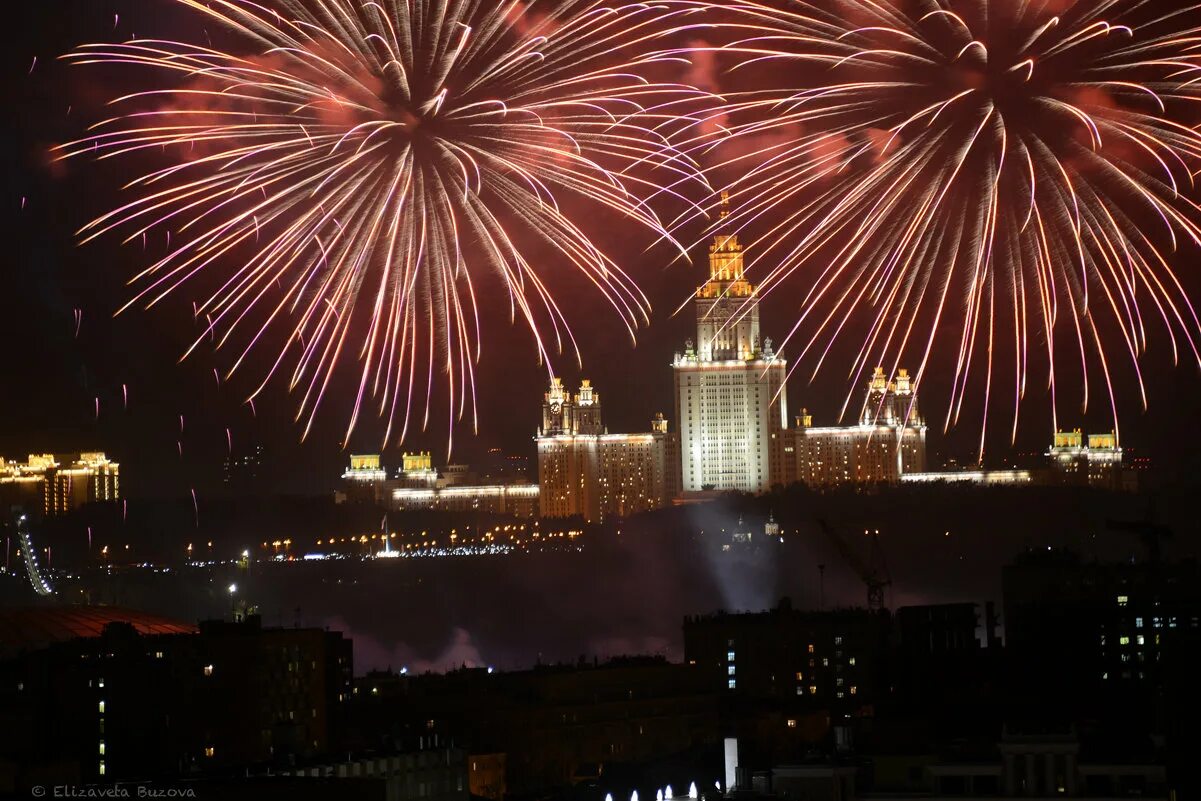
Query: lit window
x=854, y=689
x=102, y=767
x=732, y=684
x=810, y=647
x=1123, y=600
x=208, y=670
x=100, y=683
x=101, y=707
x=158, y=654
x=838, y=640
x=800, y=676
x=209, y=751
x=813, y=689
x=1138, y=622
x=1123, y=640
x=102, y=748
x=730, y=656
x=1140, y=640
x=730, y=670
x=792, y=723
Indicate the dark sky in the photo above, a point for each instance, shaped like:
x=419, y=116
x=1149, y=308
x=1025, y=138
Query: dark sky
x=49, y=378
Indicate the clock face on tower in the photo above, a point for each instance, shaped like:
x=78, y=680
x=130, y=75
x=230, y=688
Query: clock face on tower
x=555, y=408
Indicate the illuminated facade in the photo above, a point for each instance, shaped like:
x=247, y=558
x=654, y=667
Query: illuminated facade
x=888, y=443
x=586, y=472
x=417, y=471
x=515, y=500
x=730, y=395
x=420, y=487
x=364, y=468
x=59, y=484
x=1096, y=461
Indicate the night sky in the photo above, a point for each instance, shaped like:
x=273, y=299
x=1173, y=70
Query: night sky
x=51, y=378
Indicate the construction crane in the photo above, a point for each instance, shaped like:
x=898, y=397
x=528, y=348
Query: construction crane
x=873, y=573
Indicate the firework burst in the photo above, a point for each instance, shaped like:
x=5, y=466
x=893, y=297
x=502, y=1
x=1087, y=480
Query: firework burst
x=348, y=175
x=1003, y=181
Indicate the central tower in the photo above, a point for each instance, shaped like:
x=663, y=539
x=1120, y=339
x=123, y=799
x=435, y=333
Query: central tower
x=730, y=384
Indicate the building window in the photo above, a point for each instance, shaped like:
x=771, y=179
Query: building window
x=792, y=723
x=854, y=689
x=209, y=751
x=732, y=684
x=101, y=771
x=1123, y=600
x=208, y=670
x=729, y=656
x=851, y=661
x=100, y=683
x=730, y=670
x=813, y=689
x=810, y=647
x=101, y=751
x=101, y=706
x=800, y=676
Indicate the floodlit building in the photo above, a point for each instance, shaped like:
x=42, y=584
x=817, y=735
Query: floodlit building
x=516, y=500
x=58, y=484
x=584, y=471
x=417, y=471
x=1097, y=463
x=731, y=403
x=888, y=443
x=418, y=486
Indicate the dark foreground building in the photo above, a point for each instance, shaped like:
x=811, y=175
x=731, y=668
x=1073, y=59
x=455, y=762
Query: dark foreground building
x=97, y=694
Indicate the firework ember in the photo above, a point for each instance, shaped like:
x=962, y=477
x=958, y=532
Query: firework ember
x=1001, y=183
x=348, y=176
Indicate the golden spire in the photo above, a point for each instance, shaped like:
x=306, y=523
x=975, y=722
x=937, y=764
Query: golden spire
x=725, y=258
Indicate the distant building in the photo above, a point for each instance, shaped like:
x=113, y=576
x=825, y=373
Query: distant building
x=888, y=443
x=515, y=500
x=586, y=472
x=419, y=487
x=731, y=400
x=365, y=481
x=58, y=484
x=244, y=470
x=1097, y=463
x=983, y=477
x=417, y=471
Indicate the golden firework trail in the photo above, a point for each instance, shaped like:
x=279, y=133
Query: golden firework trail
x=347, y=178
x=1003, y=185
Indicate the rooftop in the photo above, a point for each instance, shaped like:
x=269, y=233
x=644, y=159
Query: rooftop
x=30, y=628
